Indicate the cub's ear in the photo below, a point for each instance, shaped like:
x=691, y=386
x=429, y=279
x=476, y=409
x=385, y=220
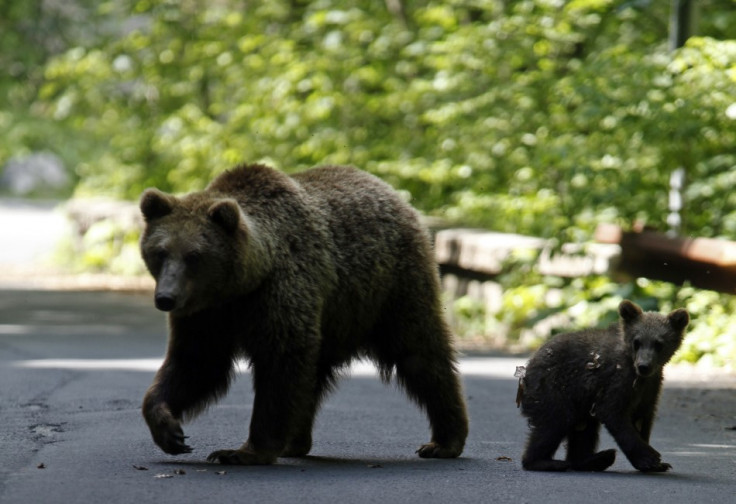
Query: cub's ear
x=679, y=319
x=225, y=213
x=156, y=204
x=629, y=311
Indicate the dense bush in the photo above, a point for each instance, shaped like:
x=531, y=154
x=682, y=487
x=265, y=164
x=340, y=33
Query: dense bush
x=536, y=116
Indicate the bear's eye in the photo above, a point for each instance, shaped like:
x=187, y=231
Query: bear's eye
x=658, y=345
x=637, y=344
x=192, y=259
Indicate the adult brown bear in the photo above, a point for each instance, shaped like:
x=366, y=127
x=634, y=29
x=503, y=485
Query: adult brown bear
x=299, y=275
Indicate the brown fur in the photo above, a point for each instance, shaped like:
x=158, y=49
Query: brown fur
x=300, y=275
x=578, y=381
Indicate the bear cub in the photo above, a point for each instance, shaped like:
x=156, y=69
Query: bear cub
x=299, y=275
x=578, y=381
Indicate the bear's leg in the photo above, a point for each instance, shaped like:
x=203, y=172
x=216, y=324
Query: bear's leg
x=430, y=378
x=582, y=441
x=301, y=441
x=191, y=376
x=413, y=338
x=541, y=447
x=283, y=390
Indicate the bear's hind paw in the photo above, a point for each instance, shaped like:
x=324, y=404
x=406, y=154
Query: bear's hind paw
x=436, y=450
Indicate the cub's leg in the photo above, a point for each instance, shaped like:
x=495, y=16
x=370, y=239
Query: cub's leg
x=582, y=441
x=641, y=455
x=541, y=447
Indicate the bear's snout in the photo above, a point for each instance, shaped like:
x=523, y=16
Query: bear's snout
x=643, y=369
x=165, y=302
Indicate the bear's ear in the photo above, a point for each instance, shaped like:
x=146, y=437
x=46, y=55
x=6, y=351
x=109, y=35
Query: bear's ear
x=156, y=204
x=679, y=319
x=629, y=311
x=225, y=213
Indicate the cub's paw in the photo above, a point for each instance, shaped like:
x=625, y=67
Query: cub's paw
x=651, y=462
x=658, y=467
x=597, y=462
x=166, y=430
x=436, y=450
x=241, y=456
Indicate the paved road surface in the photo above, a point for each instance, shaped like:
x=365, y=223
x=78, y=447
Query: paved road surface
x=74, y=366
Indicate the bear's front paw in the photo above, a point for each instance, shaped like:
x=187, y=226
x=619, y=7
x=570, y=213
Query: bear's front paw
x=241, y=456
x=166, y=430
x=436, y=450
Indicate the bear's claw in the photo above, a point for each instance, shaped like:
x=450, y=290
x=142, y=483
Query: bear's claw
x=166, y=430
x=173, y=442
x=179, y=446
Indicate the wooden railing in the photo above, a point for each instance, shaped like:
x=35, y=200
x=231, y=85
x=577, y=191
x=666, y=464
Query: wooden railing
x=475, y=255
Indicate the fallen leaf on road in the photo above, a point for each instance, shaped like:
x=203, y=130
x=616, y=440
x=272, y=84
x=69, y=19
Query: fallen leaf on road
x=180, y=472
x=221, y=473
x=504, y=458
x=140, y=468
x=41, y=466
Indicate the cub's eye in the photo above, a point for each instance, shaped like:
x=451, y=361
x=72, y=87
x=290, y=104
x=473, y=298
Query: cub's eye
x=658, y=345
x=637, y=344
x=192, y=259
x=159, y=255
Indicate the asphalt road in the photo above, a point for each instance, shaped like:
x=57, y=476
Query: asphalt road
x=74, y=367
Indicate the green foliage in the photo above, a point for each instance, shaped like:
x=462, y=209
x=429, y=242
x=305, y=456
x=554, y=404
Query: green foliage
x=535, y=116
x=32, y=32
